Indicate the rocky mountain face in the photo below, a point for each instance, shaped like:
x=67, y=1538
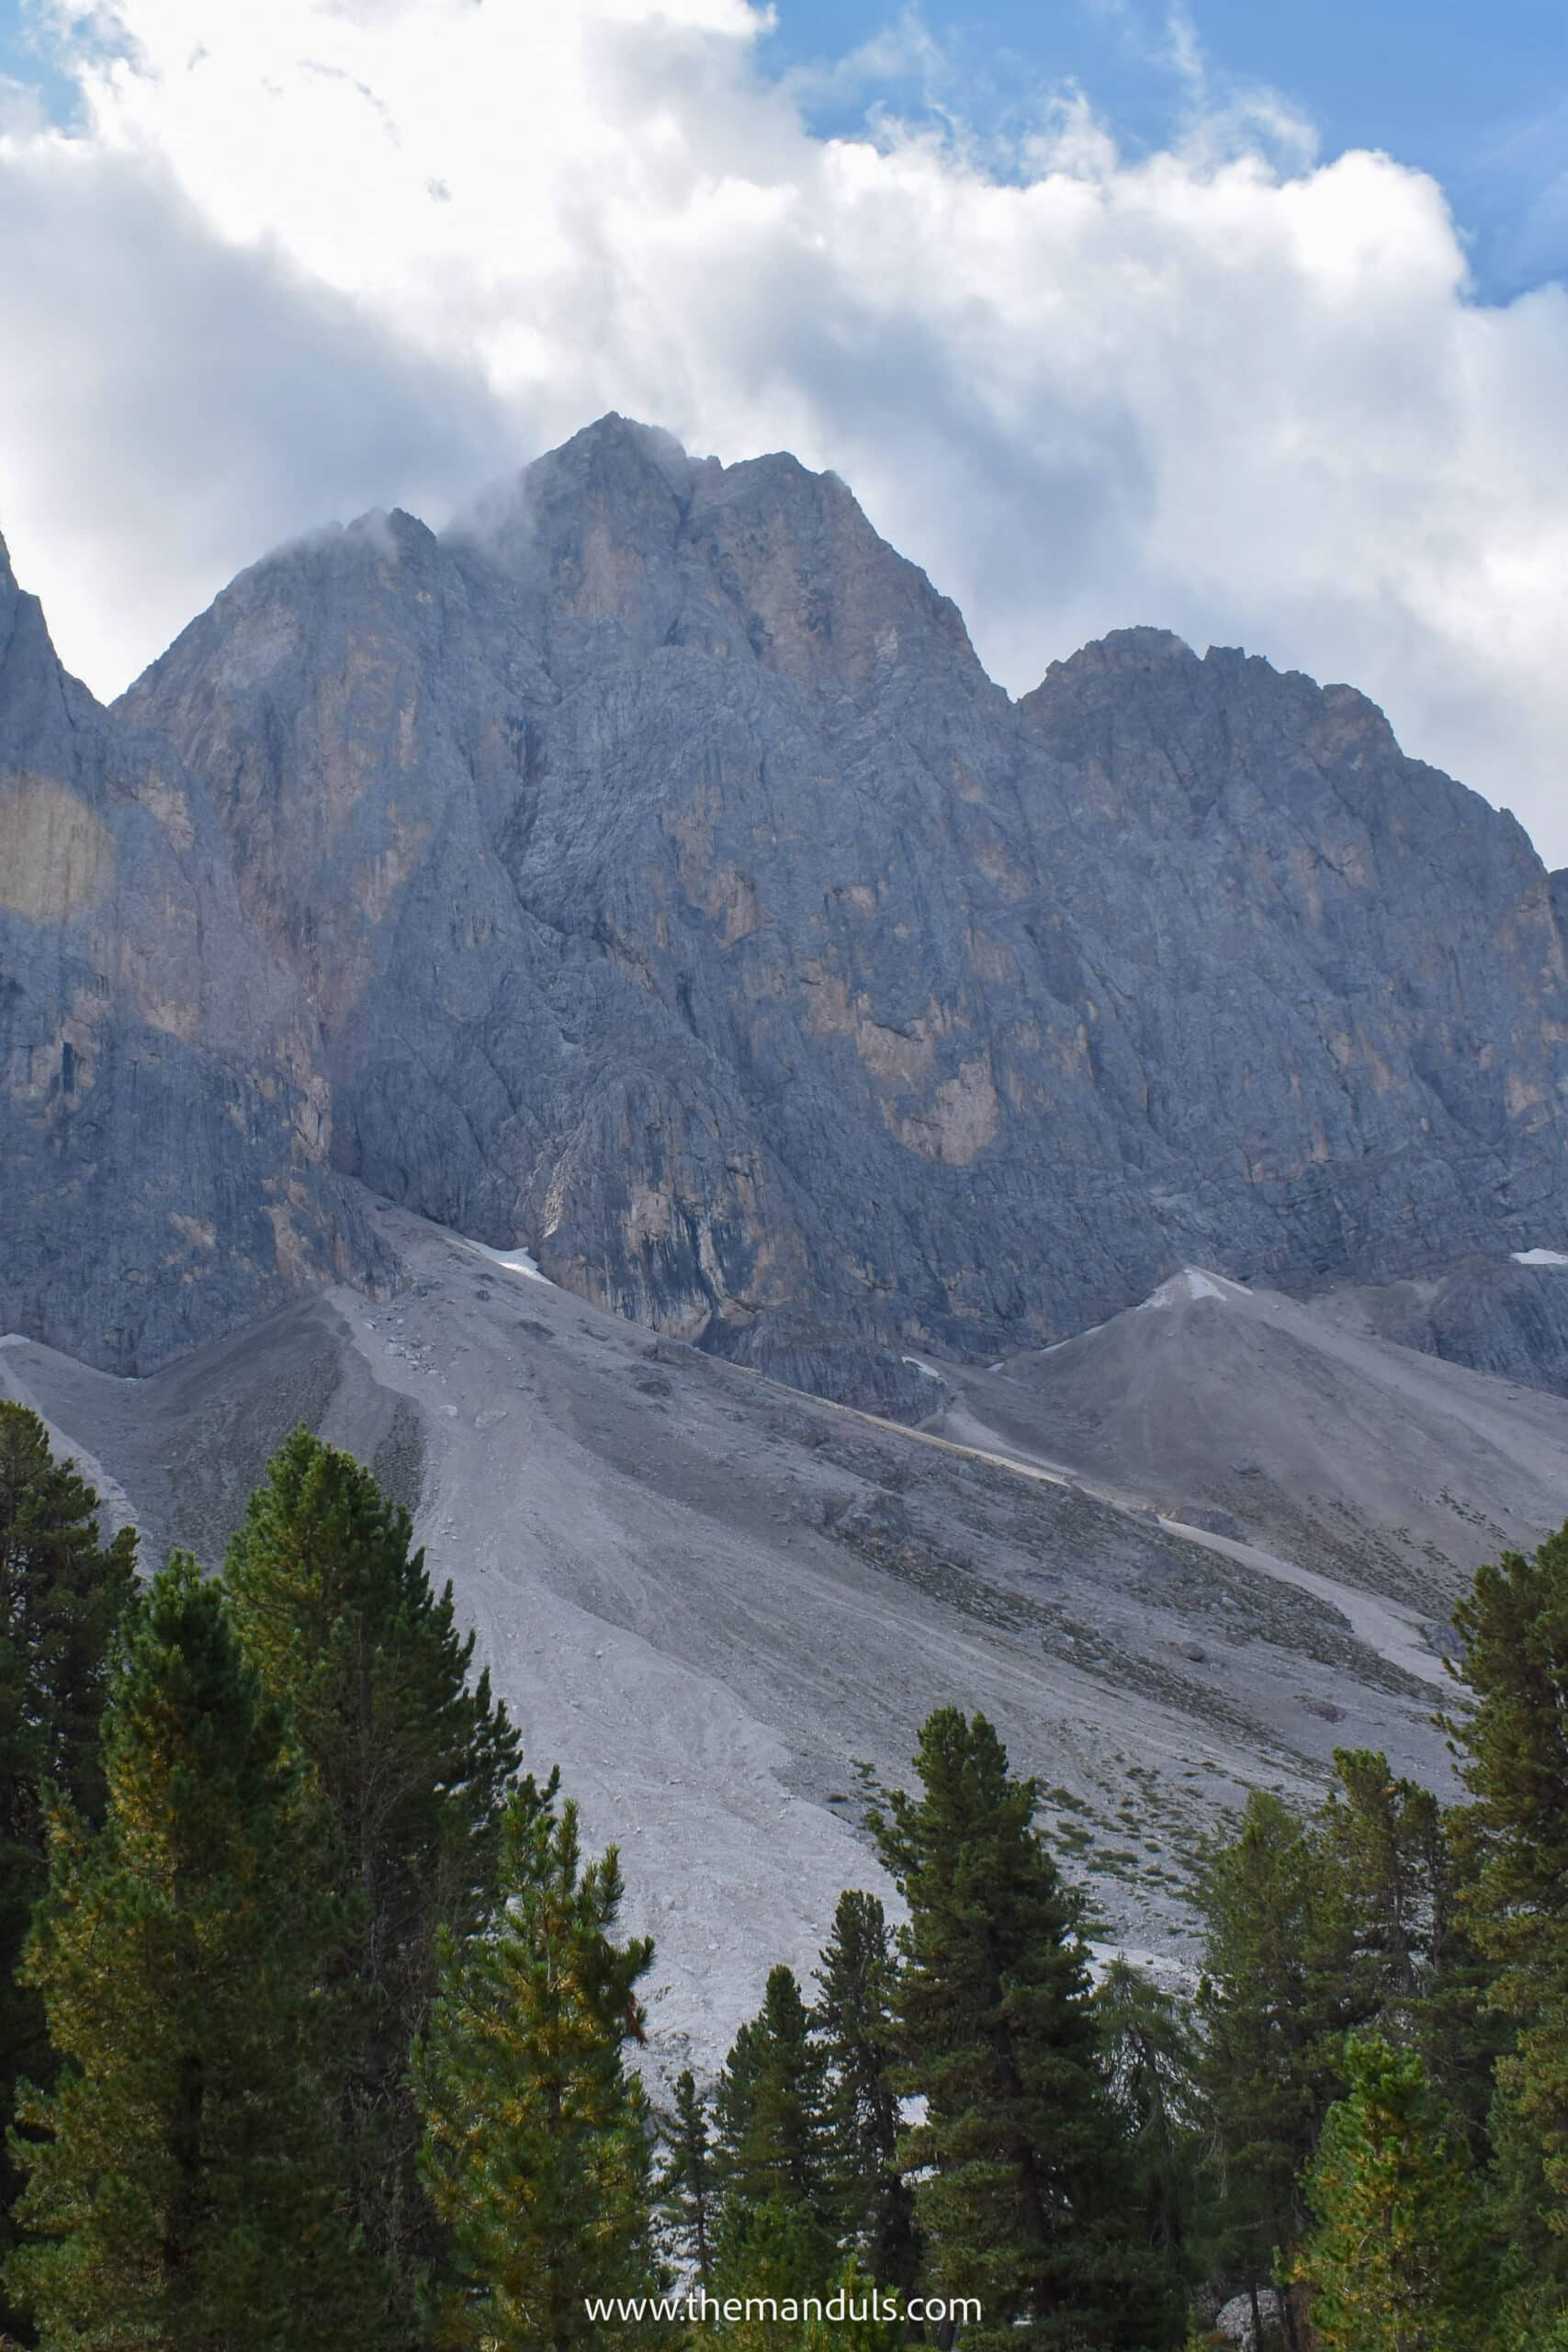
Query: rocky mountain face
x=671, y=891
x=714, y=1603
x=165, y=1121
x=1502, y=1315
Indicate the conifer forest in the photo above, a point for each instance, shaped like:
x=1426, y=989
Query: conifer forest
x=321, y=2029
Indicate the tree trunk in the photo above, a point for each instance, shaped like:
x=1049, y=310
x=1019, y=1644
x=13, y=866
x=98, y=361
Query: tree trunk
x=184, y=2146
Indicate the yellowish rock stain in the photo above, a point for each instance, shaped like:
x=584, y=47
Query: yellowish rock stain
x=55, y=856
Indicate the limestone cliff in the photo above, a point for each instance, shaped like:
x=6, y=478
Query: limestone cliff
x=676, y=893
x=646, y=870
x=164, y=1112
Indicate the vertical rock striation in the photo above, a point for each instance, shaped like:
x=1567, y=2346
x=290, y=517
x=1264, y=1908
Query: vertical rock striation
x=164, y=1116
x=660, y=881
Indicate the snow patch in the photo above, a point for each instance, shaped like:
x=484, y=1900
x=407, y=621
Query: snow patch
x=511, y=1261
x=1087, y=1334
x=1521, y=1258
x=930, y=1370
x=1193, y=1282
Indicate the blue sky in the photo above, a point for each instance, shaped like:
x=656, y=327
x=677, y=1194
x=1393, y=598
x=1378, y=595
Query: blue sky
x=1476, y=95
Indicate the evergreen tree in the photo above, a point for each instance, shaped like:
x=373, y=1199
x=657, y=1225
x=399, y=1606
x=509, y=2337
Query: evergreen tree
x=185, y=2190
x=1385, y=1836
x=775, y=2232
x=1022, y=2188
x=850, y=2313
x=872, y=2205
x=855, y=2320
x=1153, y=2055
x=412, y=1762
x=62, y=1595
x=1280, y=1989
x=1513, y=1747
x=536, y=2145
x=1397, y=2262
x=686, y=2186
x=1416, y=1973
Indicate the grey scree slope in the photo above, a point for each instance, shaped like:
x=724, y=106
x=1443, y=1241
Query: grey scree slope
x=647, y=872
x=708, y=1597
x=676, y=894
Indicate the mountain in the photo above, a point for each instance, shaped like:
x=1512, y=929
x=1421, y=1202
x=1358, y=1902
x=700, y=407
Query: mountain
x=676, y=896
x=1265, y=1419
x=166, y=1118
x=1188, y=1555
x=1504, y=1314
x=715, y=1600
x=644, y=875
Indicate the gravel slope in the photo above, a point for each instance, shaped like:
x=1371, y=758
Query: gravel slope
x=719, y=1603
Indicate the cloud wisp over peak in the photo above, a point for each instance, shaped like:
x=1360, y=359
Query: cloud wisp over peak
x=292, y=263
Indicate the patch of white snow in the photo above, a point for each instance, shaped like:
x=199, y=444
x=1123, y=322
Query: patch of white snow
x=1193, y=1282
x=1539, y=1258
x=511, y=1261
x=1067, y=1342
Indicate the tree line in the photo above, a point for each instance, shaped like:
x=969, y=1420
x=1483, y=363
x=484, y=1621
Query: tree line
x=319, y=2026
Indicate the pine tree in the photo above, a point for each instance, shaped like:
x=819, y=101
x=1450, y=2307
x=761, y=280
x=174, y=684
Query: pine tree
x=184, y=2190
x=537, y=2147
x=1023, y=2198
x=413, y=1761
x=775, y=2233
x=1513, y=1749
x=1280, y=1989
x=1397, y=2262
x=1385, y=1836
x=687, y=2186
x=856, y=2318
x=1152, y=2049
x=872, y=2205
x=1403, y=1862
x=62, y=1595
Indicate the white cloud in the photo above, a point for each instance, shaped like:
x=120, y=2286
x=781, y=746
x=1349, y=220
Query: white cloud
x=329, y=253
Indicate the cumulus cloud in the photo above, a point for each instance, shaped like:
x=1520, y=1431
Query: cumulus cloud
x=300, y=259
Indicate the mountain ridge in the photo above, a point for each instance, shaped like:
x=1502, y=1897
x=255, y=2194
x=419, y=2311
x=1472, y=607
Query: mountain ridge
x=674, y=893
x=165, y=1119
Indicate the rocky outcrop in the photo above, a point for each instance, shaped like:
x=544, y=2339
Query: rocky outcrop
x=165, y=1114
x=677, y=894
x=1495, y=1315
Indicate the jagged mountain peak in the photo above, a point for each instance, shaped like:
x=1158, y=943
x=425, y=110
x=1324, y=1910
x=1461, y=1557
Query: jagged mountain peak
x=1109, y=665
x=164, y=1119
x=49, y=721
x=679, y=899
x=1226, y=746
x=763, y=557
x=618, y=449
x=1120, y=651
x=761, y=563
